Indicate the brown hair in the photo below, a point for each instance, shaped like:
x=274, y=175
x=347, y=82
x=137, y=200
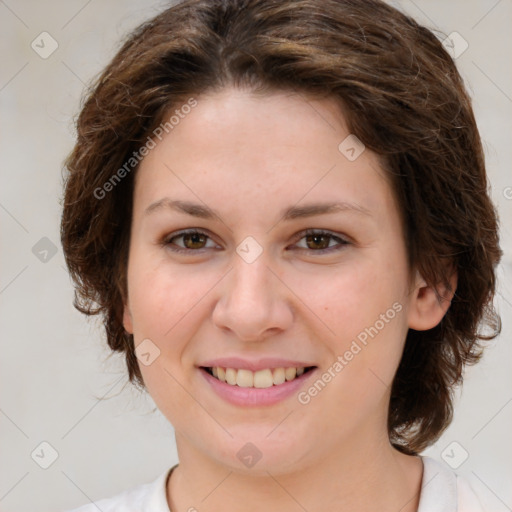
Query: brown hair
x=403, y=97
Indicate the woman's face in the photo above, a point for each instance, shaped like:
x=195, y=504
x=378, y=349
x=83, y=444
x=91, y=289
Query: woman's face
x=250, y=289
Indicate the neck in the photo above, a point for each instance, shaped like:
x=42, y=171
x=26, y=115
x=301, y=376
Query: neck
x=363, y=477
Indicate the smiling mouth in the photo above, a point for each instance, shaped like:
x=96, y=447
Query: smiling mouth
x=261, y=379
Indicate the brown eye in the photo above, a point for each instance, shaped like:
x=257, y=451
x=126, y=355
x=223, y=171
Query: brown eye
x=318, y=241
x=194, y=240
x=188, y=241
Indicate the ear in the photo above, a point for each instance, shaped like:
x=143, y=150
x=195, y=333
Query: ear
x=429, y=304
x=127, y=319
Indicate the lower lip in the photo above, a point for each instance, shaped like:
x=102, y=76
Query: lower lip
x=237, y=395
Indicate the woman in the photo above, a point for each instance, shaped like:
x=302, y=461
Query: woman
x=280, y=209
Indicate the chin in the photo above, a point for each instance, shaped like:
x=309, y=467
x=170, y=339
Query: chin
x=258, y=454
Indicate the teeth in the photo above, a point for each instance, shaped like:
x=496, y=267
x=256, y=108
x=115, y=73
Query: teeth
x=279, y=376
x=231, y=376
x=263, y=378
x=260, y=379
x=290, y=373
x=244, y=378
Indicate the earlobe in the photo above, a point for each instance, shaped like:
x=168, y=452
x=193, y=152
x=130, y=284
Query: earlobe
x=429, y=304
x=127, y=319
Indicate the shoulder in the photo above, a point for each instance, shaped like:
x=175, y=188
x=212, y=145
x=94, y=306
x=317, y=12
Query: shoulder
x=442, y=490
x=145, y=497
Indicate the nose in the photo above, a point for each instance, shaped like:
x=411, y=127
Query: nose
x=253, y=302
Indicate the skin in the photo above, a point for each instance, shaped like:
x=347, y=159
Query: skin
x=248, y=157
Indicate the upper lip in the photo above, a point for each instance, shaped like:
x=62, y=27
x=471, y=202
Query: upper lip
x=254, y=365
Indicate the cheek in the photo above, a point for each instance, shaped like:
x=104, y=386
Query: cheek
x=163, y=299
x=163, y=303
x=356, y=381
x=363, y=307
x=350, y=298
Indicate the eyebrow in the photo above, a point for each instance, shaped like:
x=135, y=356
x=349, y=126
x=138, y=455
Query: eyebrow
x=292, y=212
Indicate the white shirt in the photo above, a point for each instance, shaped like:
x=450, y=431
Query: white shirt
x=441, y=491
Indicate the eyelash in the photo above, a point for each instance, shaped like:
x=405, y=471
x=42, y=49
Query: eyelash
x=167, y=241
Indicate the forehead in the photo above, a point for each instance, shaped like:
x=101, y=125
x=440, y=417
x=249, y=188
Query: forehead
x=236, y=147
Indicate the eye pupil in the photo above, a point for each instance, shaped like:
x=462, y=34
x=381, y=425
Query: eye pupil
x=195, y=239
x=318, y=239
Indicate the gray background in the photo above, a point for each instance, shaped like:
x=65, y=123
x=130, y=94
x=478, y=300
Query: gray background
x=58, y=384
